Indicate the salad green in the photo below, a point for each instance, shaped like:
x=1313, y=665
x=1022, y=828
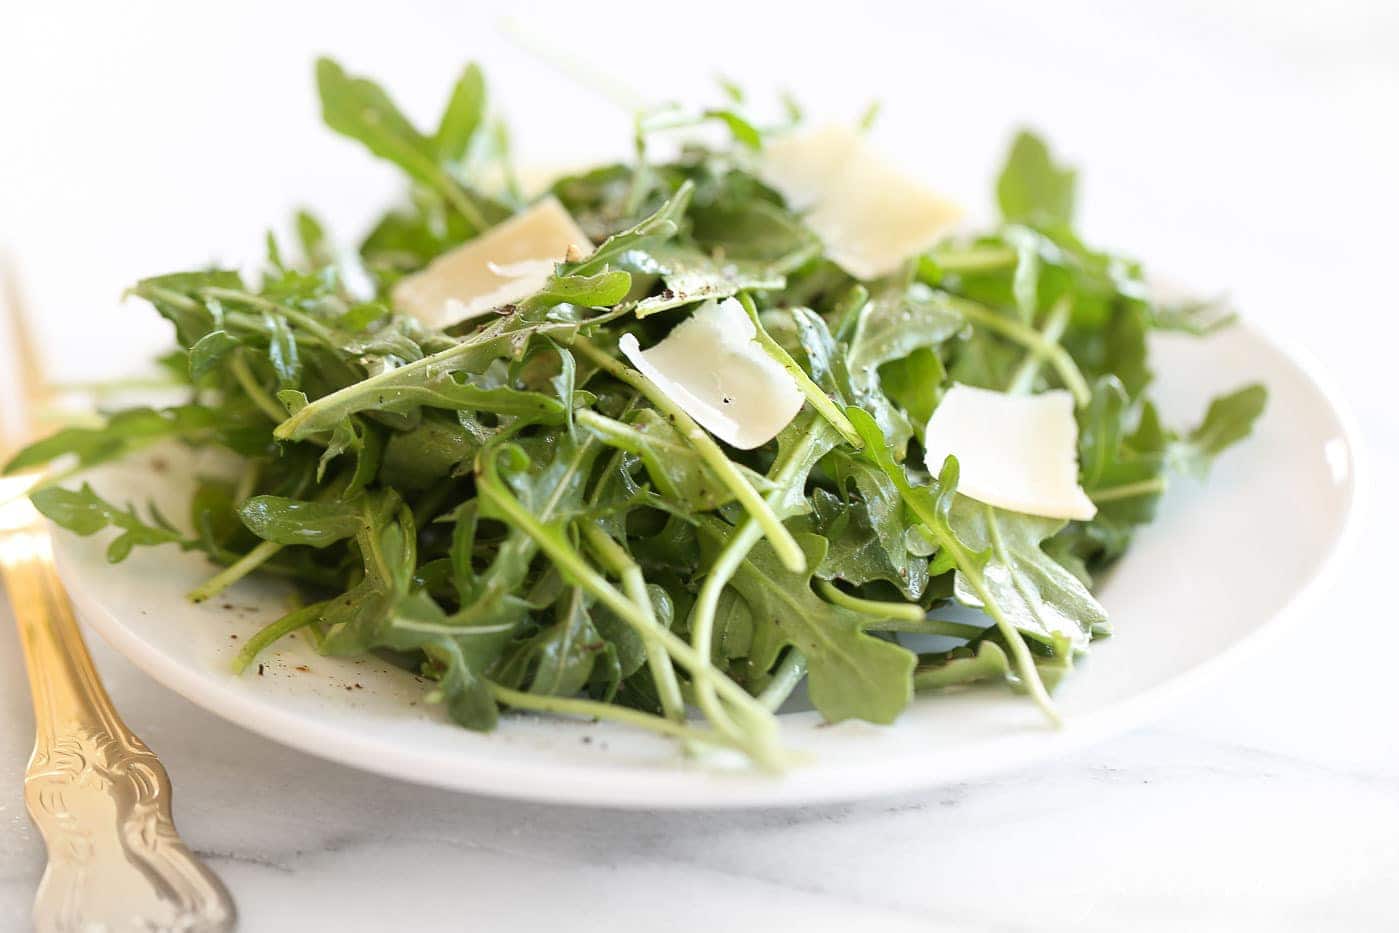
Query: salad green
x=510, y=509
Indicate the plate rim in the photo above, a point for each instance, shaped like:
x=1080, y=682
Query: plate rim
x=578, y=785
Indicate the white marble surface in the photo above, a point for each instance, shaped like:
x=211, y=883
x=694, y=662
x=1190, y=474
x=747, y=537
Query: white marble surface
x=1240, y=145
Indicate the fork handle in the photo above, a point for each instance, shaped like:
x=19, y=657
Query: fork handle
x=99, y=796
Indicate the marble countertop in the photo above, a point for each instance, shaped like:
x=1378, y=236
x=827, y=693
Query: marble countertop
x=1269, y=802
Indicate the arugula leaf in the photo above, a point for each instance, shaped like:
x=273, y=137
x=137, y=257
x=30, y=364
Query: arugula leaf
x=690, y=276
x=209, y=351
x=177, y=298
x=564, y=654
x=914, y=383
x=1199, y=318
x=1035, y=594
x=897, y=321
x=462, y=117
x=961, y=666
x=672, y=464
x=359, y=108
x=1032, y=188
x=427, y=454
x=431, y=381
x=1230, y=419
x=754, y=231
x=292, y=521
x=85, y=513
x=866, y=528
x=933, y=507
x=588, y=291
x=124, y=433
x=853, y=674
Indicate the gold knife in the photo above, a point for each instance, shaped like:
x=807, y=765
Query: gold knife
x=98, y=795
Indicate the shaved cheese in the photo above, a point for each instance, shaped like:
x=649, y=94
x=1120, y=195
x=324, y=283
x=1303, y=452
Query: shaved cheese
x=1017, y=452
x=870, y=215
x=506, y=264
x=710, y=367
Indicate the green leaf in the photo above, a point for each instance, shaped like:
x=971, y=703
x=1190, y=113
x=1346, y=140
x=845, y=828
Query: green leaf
x=914, y=383
x=848, y=377
x=662, y=225
x=359, y=108
x=177, y=298
x=292, y=521
x=281, y=351
x=461, y=685
x=84, y=512
x=124, y=432
x=209, y=352
x=630, y=650
x=933, y=506
x=669, y=118
x=734, y=637
x=1032, y=188
x=462, y=116
x=1230, y=419
x=1195, y=317
x=961, y=666
x=600, y=290
x=678, y=472
x=866, y=528
x=363, y=617
x=691, y=276
x=853, y=675
x=1037, y=595
x=1122, y=470
x=754, y=231
x=427, y=454
x=744, y=133
x=898, y=321
x=565, y=653
x=311, y=236
x=431, y=381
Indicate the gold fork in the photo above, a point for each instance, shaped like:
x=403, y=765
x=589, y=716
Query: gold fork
x=99, y=796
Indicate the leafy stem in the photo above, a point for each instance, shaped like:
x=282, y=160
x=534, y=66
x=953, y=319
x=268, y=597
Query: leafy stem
x=299, y=318
x=1147, y=487
x=1032, y=340
x=975, y=258
x=234, y=572
x=785, y=679
x=291, y=622
x=788, y=551
x=759, y=740
x=1024, y=378
x=726, y=564
x=265, y=403
x=931, y=508
x=326, y=411
x=970, y=568
x=927, y=627
x=822, y=403
x=878, y=609
x=620, y=563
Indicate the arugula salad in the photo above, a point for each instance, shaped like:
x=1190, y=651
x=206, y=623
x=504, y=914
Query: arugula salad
x=669, y=439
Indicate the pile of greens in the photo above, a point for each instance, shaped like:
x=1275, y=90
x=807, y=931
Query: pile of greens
x=510, y=510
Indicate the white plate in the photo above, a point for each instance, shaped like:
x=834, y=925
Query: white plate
x=1224, y=562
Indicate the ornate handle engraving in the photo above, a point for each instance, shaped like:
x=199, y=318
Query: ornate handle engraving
x=115, y=859
x=99, y=796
